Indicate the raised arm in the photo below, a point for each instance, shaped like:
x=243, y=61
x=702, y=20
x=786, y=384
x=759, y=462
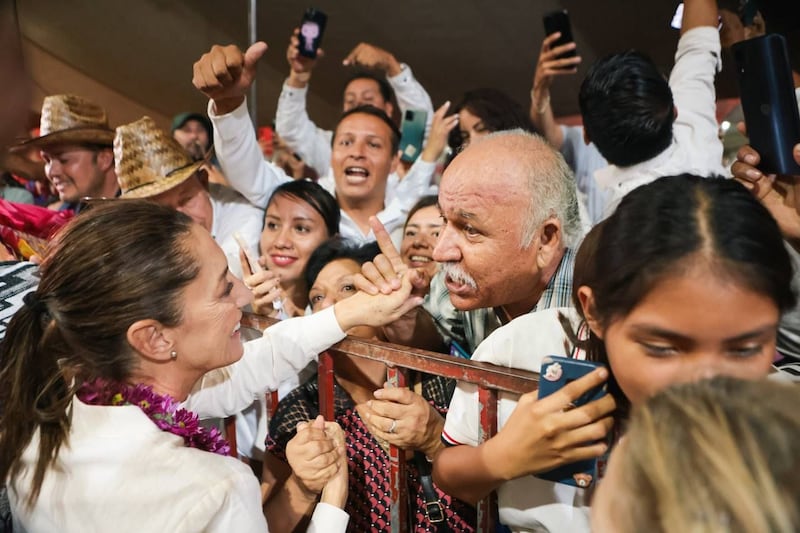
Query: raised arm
x=547, y=68
x=418, y=181
x=292, y=122
x=697, y=61
x=225, y=74
x=288, y=346
x=409, y=92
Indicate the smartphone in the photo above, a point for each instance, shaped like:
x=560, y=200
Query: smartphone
x=252, y=261
x=559, y=21
x=412, y=134
x=456, y=350
x=557, y=372
x=768, y=101
x=311, y=29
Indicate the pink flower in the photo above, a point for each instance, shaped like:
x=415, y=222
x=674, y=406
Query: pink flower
x=161, y=409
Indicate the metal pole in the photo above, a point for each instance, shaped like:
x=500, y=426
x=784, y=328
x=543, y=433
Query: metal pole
x=251, y=30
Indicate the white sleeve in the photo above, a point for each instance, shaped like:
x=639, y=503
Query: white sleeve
x=328, y=519
x=416, y=184
x=411, y=94
x=297, y=129
x=522, y=343
x=241, y=158
x=284, y=349
x=697, y=61
x=462, y=425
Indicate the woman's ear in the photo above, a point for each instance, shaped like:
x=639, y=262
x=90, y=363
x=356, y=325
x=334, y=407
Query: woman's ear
x=586, y=298
x=149, y=338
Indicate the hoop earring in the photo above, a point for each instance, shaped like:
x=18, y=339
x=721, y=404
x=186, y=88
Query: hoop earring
x=173, y=355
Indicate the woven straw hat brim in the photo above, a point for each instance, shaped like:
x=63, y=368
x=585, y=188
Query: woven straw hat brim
x=81, y=135
x=174, y=179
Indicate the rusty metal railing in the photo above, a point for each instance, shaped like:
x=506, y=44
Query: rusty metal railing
x=489, y=378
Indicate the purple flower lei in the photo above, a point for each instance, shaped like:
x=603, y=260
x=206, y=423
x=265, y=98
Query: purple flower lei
x=162, y=410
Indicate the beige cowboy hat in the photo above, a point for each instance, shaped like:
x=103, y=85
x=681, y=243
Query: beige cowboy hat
x=148, y=161
x=70, y=119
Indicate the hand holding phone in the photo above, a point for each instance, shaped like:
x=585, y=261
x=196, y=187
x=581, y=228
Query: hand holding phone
x=412, y=134
x=252, y=262
x=556, y=373
x=312, y=26
x=558, y=21
x=768, y=101
x=267, y=283
x=546, y=433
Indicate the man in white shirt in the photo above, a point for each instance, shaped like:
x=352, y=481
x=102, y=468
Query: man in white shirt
x=255, y=178
x=644, y=126
x=386, y=77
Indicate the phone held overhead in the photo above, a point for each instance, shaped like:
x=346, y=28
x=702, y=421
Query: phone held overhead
x=768, y=101
x=412, y=134
x=311, y=29
x=558, y=21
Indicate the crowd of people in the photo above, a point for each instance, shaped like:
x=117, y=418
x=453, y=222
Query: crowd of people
x=624, y=244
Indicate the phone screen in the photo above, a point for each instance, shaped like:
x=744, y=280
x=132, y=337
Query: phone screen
x=311, y=29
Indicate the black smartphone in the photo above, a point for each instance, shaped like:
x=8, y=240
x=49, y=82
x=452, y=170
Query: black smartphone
x=311, y=29
x=558, y=21
x=412, y=134
x=557, y=372
x=768, y=101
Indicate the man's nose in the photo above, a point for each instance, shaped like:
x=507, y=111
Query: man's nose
x=446, y=248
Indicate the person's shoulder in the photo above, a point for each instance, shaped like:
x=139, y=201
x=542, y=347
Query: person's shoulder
x=537, y=322
x=524, y=341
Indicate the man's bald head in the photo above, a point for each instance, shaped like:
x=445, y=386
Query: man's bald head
x=519, y=162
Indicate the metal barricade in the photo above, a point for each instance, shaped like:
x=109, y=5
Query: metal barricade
x=489, y=378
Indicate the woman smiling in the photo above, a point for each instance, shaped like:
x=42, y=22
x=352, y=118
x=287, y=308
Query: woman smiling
x=136, y=308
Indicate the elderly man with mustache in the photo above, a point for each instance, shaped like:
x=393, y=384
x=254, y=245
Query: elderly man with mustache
x=510, y=216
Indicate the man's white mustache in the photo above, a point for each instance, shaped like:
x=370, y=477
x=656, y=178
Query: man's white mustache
x=457, y=274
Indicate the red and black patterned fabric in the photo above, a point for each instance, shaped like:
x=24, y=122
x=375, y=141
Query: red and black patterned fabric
x=368, y=464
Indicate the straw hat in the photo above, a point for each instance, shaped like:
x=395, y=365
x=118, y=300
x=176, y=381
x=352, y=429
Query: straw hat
x=70, y=119
x=148, y=161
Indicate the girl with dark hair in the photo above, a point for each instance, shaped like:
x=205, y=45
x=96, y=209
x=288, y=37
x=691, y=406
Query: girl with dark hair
x=300, y=216
x=686, y=280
